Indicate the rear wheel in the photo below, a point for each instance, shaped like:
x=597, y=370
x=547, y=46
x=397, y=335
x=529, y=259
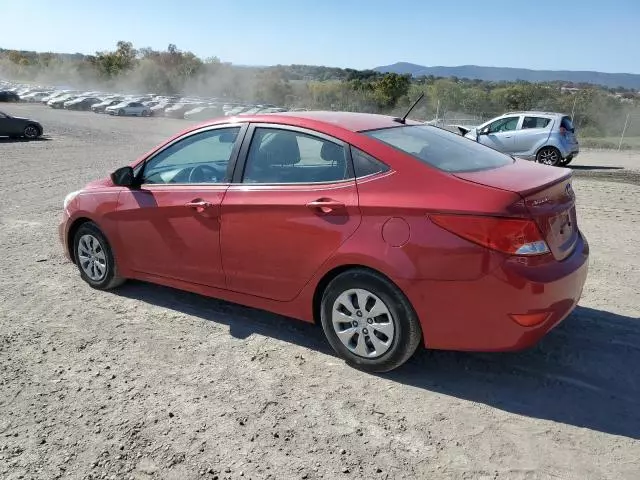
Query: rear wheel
x=549, y=156
x=146, y=113
x=94, y=258
x=566, y=161
x=368, y=321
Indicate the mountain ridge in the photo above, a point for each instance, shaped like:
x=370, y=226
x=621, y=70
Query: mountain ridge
x=510, y=74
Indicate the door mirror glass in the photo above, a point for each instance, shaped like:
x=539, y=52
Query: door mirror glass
x=123, y=177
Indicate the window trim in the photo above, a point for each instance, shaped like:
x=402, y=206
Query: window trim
x=524, y=117
x=139, y=175
x=238, y=172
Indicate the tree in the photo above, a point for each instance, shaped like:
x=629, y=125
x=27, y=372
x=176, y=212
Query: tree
x=389, y=88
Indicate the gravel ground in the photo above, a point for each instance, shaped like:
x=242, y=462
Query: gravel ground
x=147, y=382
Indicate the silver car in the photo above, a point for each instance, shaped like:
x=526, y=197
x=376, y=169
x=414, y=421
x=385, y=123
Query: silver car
x=545, y=137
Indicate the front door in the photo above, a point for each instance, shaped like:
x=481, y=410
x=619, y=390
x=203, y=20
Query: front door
x=171, y=225
x=499, y=135
x=8, y=126
x=295, y=205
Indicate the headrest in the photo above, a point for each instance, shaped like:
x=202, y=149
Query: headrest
x=280, y=149
x=331, y=152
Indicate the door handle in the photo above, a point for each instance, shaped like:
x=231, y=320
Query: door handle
x=199, y=205
x=325, y=205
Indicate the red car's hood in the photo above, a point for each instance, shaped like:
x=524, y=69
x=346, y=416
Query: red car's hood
x=102, y=182
x=522, y=176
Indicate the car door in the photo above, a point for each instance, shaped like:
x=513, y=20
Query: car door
x=171, y=224
x=292, y=204
x=6, y=127
x=499, y=135
x=533, y=132
x=133, y=108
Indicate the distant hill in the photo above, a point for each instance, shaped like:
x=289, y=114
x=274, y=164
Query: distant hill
x=497, y=74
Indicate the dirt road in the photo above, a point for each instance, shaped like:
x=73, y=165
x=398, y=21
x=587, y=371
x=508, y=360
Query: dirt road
x=148, y=382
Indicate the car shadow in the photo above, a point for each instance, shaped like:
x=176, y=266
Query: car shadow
x=583, y=373
x=593, y=167
x=24, y=140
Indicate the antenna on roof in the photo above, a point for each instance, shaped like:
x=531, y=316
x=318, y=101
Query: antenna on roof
x=403, y=120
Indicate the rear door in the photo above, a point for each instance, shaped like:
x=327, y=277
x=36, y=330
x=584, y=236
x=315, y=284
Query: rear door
x=293, y=203
x=499, y=135
x=532, y=134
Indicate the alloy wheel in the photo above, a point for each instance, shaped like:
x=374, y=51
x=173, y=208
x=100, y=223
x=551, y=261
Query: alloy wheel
x=31, y=132
x=549, y=157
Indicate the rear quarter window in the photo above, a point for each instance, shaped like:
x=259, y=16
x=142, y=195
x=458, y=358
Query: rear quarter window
x=535, y=122
x=440, y=148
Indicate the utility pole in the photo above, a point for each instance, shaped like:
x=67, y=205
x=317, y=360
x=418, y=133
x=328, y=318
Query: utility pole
x=624, y=130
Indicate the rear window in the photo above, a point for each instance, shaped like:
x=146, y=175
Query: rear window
x=567, y=123
x=440, y=148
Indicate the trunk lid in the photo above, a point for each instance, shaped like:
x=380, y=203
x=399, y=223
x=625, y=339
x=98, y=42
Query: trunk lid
x=548, y=197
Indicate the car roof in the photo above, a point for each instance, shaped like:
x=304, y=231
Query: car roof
x=355, y=122
x=535, y=112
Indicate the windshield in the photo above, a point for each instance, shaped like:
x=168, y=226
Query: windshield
x=440, y=148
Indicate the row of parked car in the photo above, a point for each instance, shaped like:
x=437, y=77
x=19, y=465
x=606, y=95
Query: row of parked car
x=149, y=105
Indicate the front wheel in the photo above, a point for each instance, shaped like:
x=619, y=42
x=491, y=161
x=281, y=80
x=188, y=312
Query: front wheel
x=94, y=258
x=121, y=113
x=368, y=321
x=31, y=132
x=549, y=156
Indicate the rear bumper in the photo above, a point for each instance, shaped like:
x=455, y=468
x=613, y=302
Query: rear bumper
x=476, y=315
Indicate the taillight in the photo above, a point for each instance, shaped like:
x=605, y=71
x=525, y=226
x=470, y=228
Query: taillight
x=514, y=236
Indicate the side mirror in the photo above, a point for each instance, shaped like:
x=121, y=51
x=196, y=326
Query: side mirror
x=483, y=131
x=123, y=177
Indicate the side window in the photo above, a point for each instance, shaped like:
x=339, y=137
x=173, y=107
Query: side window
x=199, y=158
x=504, y=125
x=286, y=156
x=535, y=122
x=364, y=164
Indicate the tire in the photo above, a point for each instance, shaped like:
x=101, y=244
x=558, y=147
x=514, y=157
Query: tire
x=549, y=156
x=566, y=161
x=121, y=113
x=89, y=241
x=31, y=132
x=397, y=332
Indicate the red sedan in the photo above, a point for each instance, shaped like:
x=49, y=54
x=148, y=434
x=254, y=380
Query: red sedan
x=389, y=233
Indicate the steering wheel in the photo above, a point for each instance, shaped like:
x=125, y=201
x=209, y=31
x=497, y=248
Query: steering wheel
x=203, y=173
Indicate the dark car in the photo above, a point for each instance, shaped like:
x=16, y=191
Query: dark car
x=15, y=127
x=9, y=97
x=83, y=103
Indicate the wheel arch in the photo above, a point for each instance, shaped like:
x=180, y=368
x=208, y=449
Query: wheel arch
x=71, y=233
x=548, y=145
x=326, y=279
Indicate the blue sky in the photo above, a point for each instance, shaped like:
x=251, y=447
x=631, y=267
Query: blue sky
x=538, y=34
